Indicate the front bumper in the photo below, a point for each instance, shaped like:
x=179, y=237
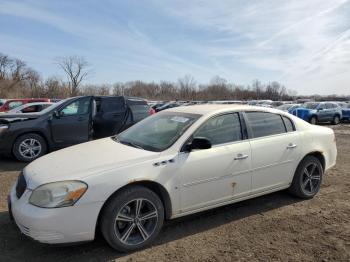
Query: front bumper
x=54, y=225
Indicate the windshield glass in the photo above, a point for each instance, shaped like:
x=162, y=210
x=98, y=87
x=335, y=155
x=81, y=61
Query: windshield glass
x=53, y=106
x=2, y=102
x=158, y=132
x=311, y=105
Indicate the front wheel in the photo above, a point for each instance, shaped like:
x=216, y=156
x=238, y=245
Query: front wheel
x=29, y=147
x=132, y=219
x=307, y=178
x=313, y=120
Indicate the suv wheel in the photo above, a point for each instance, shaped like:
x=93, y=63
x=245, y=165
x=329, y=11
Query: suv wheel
x=29, y=147
x=336, y=120
x=132, y=219
x=313, y=120
x=307, y=178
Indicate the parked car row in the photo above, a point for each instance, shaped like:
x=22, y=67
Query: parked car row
x=9, y=104
x=313, y=112
x=68, y=122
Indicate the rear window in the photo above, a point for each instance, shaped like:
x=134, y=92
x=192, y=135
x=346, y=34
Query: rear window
x=112, y=104
x=265, y=124
x=135, y=101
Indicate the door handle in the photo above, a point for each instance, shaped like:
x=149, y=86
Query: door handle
x=291, y=146
x=240, y=157
x=80, y=118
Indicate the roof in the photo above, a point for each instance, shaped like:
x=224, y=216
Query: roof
x=217, y=108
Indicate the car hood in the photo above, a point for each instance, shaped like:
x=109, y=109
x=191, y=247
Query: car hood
x=6, y=118
x=80, y=161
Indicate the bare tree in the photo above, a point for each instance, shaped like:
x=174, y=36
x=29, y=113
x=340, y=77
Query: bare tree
x=76, y=69
x=5, y=64
x=187, y=86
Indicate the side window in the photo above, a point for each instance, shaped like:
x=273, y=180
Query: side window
x=29, y=109
x=288, y=123
x=78, y=107
x=15, y=104
x=221, y=129
x=265, y=124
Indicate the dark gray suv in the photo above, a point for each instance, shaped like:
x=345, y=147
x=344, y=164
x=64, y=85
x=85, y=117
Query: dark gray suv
x=324, y=112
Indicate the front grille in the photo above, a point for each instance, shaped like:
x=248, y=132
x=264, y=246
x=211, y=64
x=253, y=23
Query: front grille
x=21, y=185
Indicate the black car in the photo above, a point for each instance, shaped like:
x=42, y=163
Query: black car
x=68, y=122
x=166, y=106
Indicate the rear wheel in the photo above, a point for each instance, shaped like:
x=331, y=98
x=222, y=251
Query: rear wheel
x=307, y=178
x=313, y=120
x=29, y=147
x=132, y=219
x=336, y=120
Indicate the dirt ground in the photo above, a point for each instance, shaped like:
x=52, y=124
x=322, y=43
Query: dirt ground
x=272, y=227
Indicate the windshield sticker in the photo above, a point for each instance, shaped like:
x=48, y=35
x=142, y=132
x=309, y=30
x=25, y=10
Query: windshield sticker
x=180, y=119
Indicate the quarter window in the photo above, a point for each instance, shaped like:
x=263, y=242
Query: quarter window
x=288, y=123
x=221, y=129
x=265, y=124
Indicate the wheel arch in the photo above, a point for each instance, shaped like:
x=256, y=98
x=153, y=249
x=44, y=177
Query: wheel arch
x=319, y=155
x=157, y=188
x=313, y=115
x=37, y=132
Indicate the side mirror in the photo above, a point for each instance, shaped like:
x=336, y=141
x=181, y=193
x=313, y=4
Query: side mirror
x=58, y=114
x=198, y=143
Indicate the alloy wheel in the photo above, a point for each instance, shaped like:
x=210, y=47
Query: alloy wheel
x=336, y=120
x=30, y=148
x=136, y=221
x=311, y=178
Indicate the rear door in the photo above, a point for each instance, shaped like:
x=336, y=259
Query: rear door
x=323, y=112
x=275, y=150
x=331, y=110
x=72, y=124
x=110, y=117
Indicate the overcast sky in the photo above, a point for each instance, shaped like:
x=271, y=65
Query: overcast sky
x=304, y=44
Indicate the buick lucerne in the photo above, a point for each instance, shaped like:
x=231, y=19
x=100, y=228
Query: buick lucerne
x=174, y=163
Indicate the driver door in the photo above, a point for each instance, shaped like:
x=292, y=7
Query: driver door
x=219, y=174
x=72, y=124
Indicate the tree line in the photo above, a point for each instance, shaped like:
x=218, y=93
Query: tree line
x=18, y=80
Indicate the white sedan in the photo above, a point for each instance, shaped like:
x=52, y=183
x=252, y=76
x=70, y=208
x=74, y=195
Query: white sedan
x=174, y=163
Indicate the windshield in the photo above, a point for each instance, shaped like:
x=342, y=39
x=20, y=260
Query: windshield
x=311, y=105
x=53, y=106
x=2, y=102
x=158, y=132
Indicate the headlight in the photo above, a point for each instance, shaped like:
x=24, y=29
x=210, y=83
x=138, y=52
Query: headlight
x=58, y=194
x=3, y=128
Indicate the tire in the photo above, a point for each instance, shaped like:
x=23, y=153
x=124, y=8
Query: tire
x=306, y=185
x=29, y=147
x=122, y=207
x=313, y=120
x=336, y=120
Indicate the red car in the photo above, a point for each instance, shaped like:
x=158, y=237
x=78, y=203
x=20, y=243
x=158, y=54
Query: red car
x=10, y=104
